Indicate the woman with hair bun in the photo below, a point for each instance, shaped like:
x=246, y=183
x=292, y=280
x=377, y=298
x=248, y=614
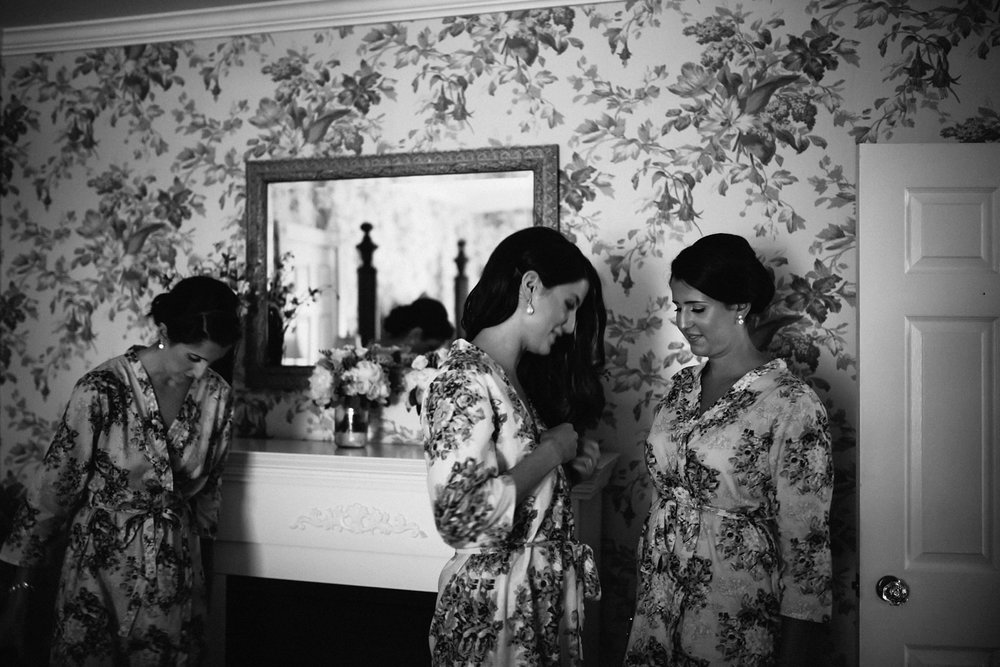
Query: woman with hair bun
x=734, y=559
x=131, y=482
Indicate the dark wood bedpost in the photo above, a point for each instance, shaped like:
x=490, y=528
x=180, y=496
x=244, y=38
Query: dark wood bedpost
x=367, y=286
x=461, y=287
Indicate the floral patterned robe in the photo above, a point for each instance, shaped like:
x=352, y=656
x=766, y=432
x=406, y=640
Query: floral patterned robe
x=137, y=498
x=738, y=531
x=513, y=594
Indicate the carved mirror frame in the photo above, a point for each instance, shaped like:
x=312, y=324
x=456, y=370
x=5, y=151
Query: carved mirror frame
x=542, y=161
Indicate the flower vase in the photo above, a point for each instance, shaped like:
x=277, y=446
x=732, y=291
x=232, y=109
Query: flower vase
x=350, y=425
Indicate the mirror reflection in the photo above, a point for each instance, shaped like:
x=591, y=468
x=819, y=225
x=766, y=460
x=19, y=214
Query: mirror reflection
x=431, y=234
x=335, y=244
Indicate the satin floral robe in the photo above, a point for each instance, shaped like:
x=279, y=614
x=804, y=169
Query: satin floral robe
x=514, y=592
x=738, y=531
x=137, y=497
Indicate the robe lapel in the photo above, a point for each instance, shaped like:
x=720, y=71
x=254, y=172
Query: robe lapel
x=153, y=439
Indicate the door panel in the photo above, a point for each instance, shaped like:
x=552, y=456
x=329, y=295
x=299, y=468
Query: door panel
x=929, y=352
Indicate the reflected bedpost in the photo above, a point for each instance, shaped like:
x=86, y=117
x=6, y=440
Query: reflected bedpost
x=367, y=282
x=461, y=287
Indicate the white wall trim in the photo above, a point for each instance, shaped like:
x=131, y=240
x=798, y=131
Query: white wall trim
x=282, y=15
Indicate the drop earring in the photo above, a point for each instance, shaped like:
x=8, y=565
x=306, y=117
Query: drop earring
x=739, y=320
x=530, y=309
x=159, y=344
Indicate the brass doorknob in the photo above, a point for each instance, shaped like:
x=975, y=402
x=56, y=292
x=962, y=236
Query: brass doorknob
x=893, y=590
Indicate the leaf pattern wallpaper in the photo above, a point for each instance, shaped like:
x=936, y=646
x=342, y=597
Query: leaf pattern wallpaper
x=123, y=168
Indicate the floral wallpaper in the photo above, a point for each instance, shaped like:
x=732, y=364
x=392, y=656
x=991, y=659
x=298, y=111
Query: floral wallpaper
x=123, y=168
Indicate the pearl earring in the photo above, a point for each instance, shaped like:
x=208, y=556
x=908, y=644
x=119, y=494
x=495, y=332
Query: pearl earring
x=739, y=320
x=530, y=309
x=159, y=345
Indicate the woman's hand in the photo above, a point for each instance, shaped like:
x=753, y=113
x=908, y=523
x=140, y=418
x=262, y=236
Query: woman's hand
x=556, y=446
x=584, y=464
x=562, y=440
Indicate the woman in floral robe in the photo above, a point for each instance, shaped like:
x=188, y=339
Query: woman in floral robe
x=132, y=477
x=734, y=559
x=514, y=592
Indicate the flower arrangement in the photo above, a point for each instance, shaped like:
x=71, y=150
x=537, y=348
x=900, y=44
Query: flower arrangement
x=376, y=373
x=422, y=369
x=359, y=391
x=350, y=371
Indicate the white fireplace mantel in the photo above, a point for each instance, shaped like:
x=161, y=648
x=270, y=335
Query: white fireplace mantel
x=304, y=510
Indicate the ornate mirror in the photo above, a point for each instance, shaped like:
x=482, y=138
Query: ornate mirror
x=334, y=243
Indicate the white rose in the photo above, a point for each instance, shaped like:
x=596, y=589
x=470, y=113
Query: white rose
x=419, y=379
x=320, y=385
x=379, y=392
x=420, y=362
x=367, y=379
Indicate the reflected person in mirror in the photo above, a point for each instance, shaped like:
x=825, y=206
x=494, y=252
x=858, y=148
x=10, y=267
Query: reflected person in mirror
x=502, y=424
x=420, y=327
x=734, y=560
x=131, y=485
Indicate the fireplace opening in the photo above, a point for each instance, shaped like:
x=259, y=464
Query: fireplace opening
x=279, y=622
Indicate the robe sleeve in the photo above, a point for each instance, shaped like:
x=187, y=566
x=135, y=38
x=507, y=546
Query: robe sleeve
x=804, y=487
x=473, y=502
x=208, y=501
x=57, y=491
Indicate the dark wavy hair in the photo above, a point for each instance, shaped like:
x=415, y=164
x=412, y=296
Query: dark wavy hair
x=428, y=314
x=197, y=309
x=726, y=268
x=564, y=385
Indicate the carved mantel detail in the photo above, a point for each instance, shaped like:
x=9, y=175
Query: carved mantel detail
x=359, y=519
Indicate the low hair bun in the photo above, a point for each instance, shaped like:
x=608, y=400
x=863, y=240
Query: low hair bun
x=764, y=289
x=160, y=310
x=199, y=308
x=725, y=267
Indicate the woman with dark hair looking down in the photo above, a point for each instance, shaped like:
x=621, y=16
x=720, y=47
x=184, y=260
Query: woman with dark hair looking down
x=734, y=559
x=132, y=481
x=503, y=423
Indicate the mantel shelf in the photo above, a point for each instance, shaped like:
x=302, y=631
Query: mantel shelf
x=255, y=456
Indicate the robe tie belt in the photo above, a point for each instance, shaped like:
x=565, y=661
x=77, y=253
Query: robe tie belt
x=519, y=545
x=581, y=555
x=685, y=502
x=683, y=515
x=681, y=518
x=151, y=523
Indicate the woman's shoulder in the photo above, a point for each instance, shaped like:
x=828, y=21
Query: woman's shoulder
x=216, y=385
x=790, y=386
x=467, y=369
x=109, y=374
x=466, y=358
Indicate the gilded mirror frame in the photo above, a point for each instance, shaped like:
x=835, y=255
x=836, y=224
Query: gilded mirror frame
x=542, y=161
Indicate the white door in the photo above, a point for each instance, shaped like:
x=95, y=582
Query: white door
x=929, y=384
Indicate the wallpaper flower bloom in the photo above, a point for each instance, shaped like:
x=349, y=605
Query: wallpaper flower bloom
x=123, y=167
